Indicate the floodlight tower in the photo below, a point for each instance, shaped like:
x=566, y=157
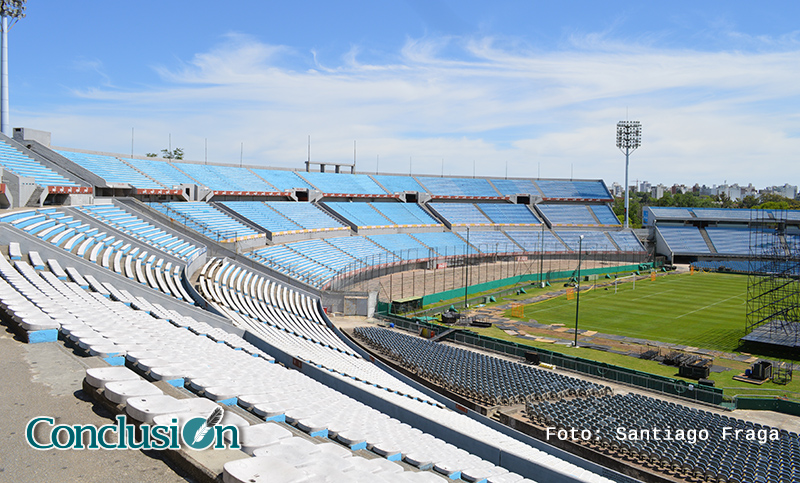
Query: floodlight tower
x=629, y=137
x=10, y=11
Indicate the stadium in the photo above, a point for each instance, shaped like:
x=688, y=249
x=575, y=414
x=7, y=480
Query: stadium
x=146, y=265
x=170, y=319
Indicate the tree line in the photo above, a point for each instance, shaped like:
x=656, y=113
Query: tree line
x=767, y=201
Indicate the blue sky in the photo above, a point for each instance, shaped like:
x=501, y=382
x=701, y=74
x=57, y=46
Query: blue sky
x=432, y=86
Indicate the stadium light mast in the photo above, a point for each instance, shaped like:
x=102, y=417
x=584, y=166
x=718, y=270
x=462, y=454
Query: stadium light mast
x=10, y=11
x=578, y=290
x=629, y=138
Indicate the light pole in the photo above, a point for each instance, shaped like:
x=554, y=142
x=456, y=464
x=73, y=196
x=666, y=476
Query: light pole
x=629, y=137
x=578, y=291
x=10, y=11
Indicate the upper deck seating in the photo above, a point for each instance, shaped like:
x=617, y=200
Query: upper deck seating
x=405, y=213
x=508, y=187
x=460, y=213
x=566, y=215
x=263, y=215
x=282, y=180
x=16, y=162
x=205, y=219
x=161, y=171
x=112, y=170
x=458, y=187
x=508, y=214
x=356, y=184
x=564, y=189
x=360, y=214
x=225, y=178
x=305, y=214
x=398, y=184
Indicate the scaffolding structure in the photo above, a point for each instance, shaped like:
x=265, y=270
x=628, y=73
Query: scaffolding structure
x=773, y=288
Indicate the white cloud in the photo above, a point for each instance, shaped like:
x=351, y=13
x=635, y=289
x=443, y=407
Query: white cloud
x=707, y=116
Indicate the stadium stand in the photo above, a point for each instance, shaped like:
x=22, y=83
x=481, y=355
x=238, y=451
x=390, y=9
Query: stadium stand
x=340, y=183
x=161, y=171
x=113, y=170
x=730, y=240
x=205, y=219
x=508, y=187
x=307, y=215
x=573, y=190
x=304, y=331
x=398, y=184
x=22, y=165
x=405, y=214
x=722, y=214
x=593, y=241
x=605, y=215
x=460, y=213
x=402, y=245
x=360, y=214
x=567, y=215
x=362, y=249
x=626, y=241
x=490, y=241
x=508, y=214
x=142, y=230
x=684, y=239
x=225, y=179
x=458, y=187
x=445, y=243
x=489, y=380
x=282, y=180
x=537, y=241
x=264, y=216
x=714, y=459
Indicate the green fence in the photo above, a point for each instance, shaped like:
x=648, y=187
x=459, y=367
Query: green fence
x=609, y=372
x=768, y=404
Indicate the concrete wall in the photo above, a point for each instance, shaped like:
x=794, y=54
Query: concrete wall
x=22, y=191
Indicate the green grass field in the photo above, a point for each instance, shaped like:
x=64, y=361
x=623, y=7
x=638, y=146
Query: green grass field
x=705, y=310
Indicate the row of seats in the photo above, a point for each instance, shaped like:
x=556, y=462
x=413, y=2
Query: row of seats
x=159, y=345
x=61, y=230
x=719, y=457
x=144, y=231
x=112, y=169
x=205, y=219
x=485, y=379
x=720, y=214
x=318, y=261
x=584, y=215
x=22, y=165
x=296, y=332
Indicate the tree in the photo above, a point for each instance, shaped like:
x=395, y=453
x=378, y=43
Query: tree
x=748, y=201
x=176, y=153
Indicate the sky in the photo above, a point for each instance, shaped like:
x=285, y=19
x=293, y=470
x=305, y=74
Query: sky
x=501, y=88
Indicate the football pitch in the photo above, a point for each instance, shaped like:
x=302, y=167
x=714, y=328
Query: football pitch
x=705, y=310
